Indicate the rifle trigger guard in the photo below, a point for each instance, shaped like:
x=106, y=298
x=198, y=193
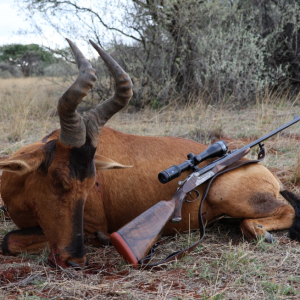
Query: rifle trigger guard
x=193, y=199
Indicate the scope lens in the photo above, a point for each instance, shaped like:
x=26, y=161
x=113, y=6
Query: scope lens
x=169, y=174
x=163, y=177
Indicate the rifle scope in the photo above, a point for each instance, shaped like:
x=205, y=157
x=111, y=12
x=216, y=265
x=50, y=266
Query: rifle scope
x=217, y=149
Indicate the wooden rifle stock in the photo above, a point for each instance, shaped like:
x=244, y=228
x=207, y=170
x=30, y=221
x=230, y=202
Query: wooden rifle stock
x=135, y=240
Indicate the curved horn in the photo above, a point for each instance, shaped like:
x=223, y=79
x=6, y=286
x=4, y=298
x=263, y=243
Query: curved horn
x=73, y=131
x=103, y=112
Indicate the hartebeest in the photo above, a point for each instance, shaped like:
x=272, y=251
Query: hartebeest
x=57, y=189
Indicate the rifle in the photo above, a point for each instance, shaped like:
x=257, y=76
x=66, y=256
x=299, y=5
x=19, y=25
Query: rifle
x=138, y=238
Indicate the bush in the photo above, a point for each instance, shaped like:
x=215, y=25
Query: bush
x=227, y=50
x=5, y=74
x=8, y=71
x=179, y=49
x=60, y=69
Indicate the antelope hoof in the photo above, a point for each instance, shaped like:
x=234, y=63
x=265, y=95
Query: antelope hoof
x=54, y=261
x=76, y=266
x=269, y=238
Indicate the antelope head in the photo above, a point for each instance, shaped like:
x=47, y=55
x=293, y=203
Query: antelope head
x=59, y=172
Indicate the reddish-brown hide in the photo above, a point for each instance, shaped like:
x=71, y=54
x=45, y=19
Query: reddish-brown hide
x=59, y=185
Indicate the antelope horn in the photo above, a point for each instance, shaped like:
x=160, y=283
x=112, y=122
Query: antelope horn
x=73, y=131
x=103, y=112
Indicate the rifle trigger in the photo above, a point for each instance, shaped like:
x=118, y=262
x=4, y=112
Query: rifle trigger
x=193, y=199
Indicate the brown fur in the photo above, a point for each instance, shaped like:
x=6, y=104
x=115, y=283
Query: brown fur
x=250, y=192
x=31, y=240
x=264, y=203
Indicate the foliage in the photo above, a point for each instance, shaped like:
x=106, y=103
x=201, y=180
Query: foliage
x=7, y=70
x=31, y=58
x=60, y=69
x=226, y=49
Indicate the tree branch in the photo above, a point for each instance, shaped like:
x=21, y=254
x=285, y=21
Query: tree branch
x=85, y=9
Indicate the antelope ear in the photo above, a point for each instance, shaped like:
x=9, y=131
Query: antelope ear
x=105, y=163
x=22, y=163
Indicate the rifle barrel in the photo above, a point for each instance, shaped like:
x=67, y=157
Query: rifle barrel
x=265, y=137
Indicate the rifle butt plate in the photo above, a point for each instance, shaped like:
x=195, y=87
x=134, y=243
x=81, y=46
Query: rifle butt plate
x=123, y=249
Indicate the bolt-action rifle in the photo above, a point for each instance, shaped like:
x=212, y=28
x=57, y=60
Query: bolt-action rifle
x=135, y=240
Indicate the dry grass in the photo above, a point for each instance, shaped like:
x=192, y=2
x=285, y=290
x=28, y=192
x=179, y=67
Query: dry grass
x=224, y=266
x=27, y=110
x=25, y=106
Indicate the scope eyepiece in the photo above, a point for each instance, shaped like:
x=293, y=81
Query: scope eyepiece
x=174, y=172
x=217, y=149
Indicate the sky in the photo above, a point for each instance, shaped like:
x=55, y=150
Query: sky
x=12, y=20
